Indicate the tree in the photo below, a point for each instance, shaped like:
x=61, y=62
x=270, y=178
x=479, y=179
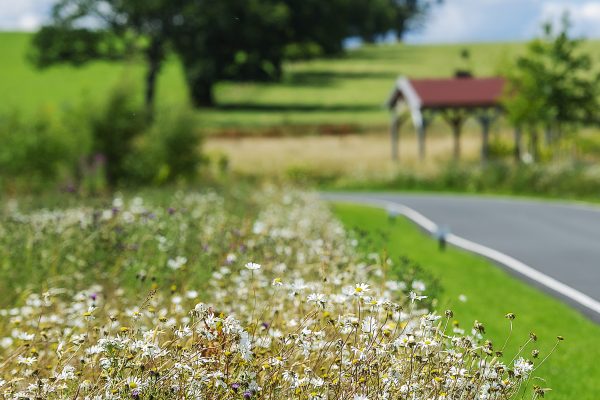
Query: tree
x=215, y=39
x=247, y=40
x=552, y=86
x=318, y=27
x=230, y=40
x=86, y=30
x=373, y=19
x=410, y=14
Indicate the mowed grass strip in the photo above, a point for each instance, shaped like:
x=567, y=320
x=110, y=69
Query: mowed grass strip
x=572, y=371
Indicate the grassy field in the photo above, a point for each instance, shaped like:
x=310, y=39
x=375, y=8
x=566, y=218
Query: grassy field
x=572, y=371
x=360, y=155
x=312, y=96
x=339, y=98
x=26, y=88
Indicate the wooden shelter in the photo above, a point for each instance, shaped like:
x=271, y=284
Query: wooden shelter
x=455, y=99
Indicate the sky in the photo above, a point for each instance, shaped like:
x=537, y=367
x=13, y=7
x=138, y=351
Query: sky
x=454, y=21
x=504, y=20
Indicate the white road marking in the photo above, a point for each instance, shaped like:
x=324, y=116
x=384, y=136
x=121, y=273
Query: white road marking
x=495, y=255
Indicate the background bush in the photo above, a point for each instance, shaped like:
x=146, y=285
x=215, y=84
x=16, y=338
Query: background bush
x=169, y=151
x=41, y=149
x=573, y=179
x=114, y=129
x=90, y=147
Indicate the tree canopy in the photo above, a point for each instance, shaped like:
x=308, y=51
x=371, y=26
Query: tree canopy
x=215, y=39
x=553, y=85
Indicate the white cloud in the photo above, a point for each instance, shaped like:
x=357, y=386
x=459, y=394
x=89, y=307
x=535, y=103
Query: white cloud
x=475, y=20
x=585, y=16
x=509, y=20
x=23, y=15
x=448, y=24
x=29, y=22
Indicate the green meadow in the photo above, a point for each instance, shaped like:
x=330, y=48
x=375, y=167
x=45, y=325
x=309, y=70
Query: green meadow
x=350, y=89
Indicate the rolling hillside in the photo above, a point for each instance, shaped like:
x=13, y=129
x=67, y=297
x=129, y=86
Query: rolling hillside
x=349, y=90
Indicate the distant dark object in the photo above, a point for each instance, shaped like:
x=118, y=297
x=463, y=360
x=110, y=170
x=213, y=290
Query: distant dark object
x=465, y=54
x=454, y=99
x=463, y=73
x=466, y=68
x=442, y=237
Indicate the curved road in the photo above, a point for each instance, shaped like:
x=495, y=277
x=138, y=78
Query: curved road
x=560, y=240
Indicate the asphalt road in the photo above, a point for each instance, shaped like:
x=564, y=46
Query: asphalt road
x=561, y=240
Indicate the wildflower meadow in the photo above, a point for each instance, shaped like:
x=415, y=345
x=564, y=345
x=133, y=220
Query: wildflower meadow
x=256, y=295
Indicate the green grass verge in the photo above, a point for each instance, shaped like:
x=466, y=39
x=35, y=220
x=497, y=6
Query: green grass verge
x=573, y=371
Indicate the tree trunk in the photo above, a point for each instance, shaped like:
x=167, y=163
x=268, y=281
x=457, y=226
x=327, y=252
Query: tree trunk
x=456, y=130
x=534, y=145
x=151, y=75
x=422, y=132
x=395, y=137
x=517, y=153
x=154, y=56
x=201, y=91
x=400, y=30
x=368, y=38
x=485, y=122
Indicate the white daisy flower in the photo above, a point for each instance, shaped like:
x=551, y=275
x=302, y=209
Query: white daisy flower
x=252, y=266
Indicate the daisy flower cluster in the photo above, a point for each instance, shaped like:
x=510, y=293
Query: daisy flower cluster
x=288, y=310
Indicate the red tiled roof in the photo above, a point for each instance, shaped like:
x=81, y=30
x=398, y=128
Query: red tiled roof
x=458, y=92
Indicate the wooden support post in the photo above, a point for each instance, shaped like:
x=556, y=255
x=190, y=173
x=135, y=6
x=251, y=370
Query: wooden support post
x=395, y=136
x=518, y=144
x=455, y=118
x=485, y=121
x=456, y=131
x=421, y=133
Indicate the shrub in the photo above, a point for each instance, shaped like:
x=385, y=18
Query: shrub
x=307, y=175
x=569, y=179
x=170, y=150
x=302, y=51
x=115, y=128
x=587, y=145
x=143, y=165
x=94, y=149
x=418, y=279
x=38, y=149
x=500, y=148
x=455, y=176
x=182, y=142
